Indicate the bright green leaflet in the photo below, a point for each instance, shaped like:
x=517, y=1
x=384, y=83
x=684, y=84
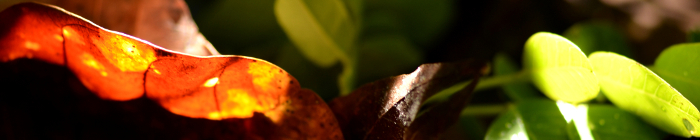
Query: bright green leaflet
x=679, y=65
x=502, y=65
x=634, y=88
x=325, y=32
x=559, y=68
x=607, y=122
x=533, y=119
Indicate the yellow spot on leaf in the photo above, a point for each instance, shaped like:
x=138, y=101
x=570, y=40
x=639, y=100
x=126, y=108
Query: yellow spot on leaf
x=156, y=71
x=262, y=75
x=66, y=33
x=215, y=116
x=58, y=37
x=238, y=104
x=125, y=53
x=90, y=61
x=31, y=45
x=211, y=82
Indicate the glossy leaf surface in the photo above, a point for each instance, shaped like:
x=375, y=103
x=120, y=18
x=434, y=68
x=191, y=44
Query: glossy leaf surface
x=608, y=122
x=559, y=68
x=679, y=65
x=385, y=109
x=634, y=88
x=533, y=119
x=115, y=66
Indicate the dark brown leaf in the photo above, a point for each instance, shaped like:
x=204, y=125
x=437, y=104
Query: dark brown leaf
x=385, y=109
x=440, y=117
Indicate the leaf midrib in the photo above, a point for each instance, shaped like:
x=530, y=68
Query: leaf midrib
x=648, y=94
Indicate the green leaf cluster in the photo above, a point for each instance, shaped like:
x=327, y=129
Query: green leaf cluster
x=645, y=105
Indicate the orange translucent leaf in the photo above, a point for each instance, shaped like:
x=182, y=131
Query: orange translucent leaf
x=115, y=66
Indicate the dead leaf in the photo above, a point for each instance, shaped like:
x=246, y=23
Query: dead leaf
x=386, y=108
x=440, y=117
x=257, y=95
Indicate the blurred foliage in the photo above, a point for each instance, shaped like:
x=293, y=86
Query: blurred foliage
x=396, y=36
x=517, y=91
x=387, y=45
x=593, y=36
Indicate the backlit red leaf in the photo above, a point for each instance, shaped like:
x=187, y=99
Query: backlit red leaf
x=115, y=66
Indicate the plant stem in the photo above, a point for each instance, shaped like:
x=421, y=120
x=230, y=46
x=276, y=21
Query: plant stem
x=496, y=81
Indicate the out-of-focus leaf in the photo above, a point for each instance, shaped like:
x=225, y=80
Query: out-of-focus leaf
x=472, y=127
x=421, y=21
x=502, y=65
x=324, y=31
x=241, y=27
x=321, y=80
x=533, y=119
x=694, y=35
x=386, y=55
x=597, y=36
x=559, y=68
x=114, y=66
x=607, y=122
x=385, y=109
x=166, y=23
x=634, y=88
x=679, y=65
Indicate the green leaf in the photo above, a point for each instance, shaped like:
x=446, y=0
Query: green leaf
x=502, y=65
x=636, y=89
x=472, y=128
x=694, y=35
x=534, y=119
x=323, y=30
x=559, y=68
x=597, y=36
x=232, y=29
x=679, y=66
x=609, y=123
x=421, y=21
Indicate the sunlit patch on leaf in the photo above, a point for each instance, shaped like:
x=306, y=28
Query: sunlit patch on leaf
x=559, y=68
x=633, y=87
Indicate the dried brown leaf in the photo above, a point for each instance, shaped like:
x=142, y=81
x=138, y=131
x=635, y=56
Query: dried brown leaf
x=257, y=98
x=386, y=108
